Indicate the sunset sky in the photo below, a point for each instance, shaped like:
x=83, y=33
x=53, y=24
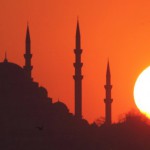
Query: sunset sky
x=114, y=29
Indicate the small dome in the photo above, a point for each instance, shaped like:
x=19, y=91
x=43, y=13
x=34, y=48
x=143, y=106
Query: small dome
x=60, y=107
x=43, y=91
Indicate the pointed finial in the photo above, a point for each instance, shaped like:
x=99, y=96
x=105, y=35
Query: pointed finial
x=108, y=67
x=77, y=19
x=27, y=27
x=27, y=33
x=78, y=30
x=28, y=24
x=5, y=59
x=108, y=63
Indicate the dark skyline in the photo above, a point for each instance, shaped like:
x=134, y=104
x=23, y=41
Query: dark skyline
x=27, y=73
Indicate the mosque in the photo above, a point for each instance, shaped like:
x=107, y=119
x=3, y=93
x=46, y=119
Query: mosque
x=24, y=105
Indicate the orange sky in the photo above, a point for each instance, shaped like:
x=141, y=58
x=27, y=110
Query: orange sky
x=118, y=29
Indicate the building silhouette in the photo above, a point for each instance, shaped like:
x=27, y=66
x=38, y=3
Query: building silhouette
x=78, y=74
x=26, y=109
x=29, y=120
x=108, y=100
x=24, y=104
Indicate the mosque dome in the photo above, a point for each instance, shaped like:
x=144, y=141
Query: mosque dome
x=11, y=73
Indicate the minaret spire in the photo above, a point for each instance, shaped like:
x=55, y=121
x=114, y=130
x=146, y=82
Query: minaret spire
x=28, y=41
x=108, y=75
x=78, y=38
x=108, y=100
x=28, y=67
x=78, y=75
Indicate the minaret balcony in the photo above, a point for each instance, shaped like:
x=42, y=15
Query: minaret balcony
x=108, y=86
x=108, y=100
x=78, y=51
x=78, y=65
x=78, y=77
x=27, y=56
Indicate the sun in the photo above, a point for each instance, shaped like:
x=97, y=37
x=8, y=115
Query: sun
x=142, y=92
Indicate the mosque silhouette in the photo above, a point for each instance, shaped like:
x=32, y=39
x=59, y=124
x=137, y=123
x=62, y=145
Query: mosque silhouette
x=29, y=117
x=29, y=120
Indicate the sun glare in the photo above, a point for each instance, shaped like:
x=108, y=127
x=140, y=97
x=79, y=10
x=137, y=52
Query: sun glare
x=142, y=92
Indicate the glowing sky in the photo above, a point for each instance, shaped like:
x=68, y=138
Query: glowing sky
x=114, y=29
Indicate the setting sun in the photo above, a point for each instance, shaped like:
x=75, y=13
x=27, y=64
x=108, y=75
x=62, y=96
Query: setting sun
x=142, y=92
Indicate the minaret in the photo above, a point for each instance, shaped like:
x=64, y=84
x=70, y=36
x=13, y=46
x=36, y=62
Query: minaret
x=28, y=55
x=78, y=75
x=108, y=99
